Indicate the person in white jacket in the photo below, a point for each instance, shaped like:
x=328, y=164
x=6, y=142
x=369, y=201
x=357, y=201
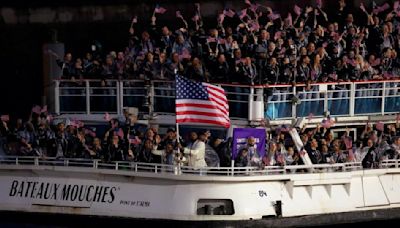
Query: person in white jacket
x=195, y=152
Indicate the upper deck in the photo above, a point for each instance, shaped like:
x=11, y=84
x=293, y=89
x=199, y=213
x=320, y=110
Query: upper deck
x=348, y=102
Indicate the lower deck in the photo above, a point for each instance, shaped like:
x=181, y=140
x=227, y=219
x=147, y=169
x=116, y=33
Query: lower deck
x=154, y=191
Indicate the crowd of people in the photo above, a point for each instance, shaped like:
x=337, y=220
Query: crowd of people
x=124, y=141
x=370, y=149
x=255, y=45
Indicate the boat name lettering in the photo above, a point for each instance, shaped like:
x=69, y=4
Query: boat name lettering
x=65, y=192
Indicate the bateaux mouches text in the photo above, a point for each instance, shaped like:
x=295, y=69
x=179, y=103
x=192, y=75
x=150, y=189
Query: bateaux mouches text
x=65, y=192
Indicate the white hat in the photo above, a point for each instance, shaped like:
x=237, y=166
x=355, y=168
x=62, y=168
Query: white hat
x=132, y=111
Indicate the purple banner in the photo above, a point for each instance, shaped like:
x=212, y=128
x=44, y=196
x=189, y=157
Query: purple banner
x=240, y=136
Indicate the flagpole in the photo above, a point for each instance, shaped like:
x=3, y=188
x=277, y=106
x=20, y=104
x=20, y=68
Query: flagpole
x=177, y=128
x=176, y=122
x=177, y=134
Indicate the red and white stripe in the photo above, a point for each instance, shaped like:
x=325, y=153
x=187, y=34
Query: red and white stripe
x=214, y=111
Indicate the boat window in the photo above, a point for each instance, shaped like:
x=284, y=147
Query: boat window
x=215, y=207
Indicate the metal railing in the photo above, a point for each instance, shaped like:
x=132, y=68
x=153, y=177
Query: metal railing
x=390, y=163
x=284, y=102
x=138, y=167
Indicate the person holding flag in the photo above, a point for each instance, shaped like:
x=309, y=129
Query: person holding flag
x=199, y=103
x=195, y=151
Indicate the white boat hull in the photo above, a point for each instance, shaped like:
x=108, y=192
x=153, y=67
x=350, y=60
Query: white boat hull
x=86, y=191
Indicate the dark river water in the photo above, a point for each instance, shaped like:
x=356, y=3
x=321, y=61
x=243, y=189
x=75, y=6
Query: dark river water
x=35, y=220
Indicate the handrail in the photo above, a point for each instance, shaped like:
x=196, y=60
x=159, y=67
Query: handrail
x=138, y=167
x=237, y=84
x=339, y=98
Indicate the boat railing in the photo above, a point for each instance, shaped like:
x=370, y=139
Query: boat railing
x=281, y=102
x=139, y=167
x=390, y=163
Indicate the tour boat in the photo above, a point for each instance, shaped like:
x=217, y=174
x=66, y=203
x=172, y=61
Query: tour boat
x=278, y=196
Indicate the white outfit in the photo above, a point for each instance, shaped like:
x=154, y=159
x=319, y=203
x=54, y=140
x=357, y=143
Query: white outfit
x=196, y=153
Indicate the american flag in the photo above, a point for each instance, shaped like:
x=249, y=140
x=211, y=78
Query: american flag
x=77, y=123
x=318, y=3
x=362, y=7
x=278, y=35
x=254, y=26
x=5, y=118
x=229, y=12
x=134, y=20
x=37, y=109
x=348, y=142
x=380, y=9
x=242, y=14
x=44, y=109
x=289, y=19
x=254, y=7
x=221, y=18
x=196, y=18
x=396, y=7
x=178, y=14
x=185, y=54
x=199, y=102
x=273, y=16
x=297, y=10
x=90, y=132
x=160, y=10
x=380, y=126
x=49, y=118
